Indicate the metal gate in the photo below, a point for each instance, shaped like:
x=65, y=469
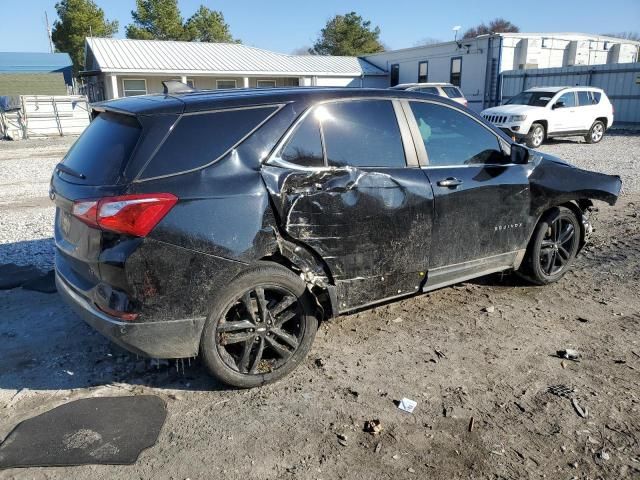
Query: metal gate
x=621, y=82
x=46, y=116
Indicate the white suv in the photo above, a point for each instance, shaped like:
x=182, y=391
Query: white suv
x=544, y=112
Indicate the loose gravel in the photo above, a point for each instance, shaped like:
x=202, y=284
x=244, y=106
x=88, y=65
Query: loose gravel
x=26, y=214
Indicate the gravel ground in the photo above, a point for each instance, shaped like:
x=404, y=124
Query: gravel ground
x=482, y=350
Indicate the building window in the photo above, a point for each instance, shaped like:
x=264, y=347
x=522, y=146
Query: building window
x=266, y=83
x=225, y=84
x=456, y=71
x=395, y=74
x=134, y=86
x=423, y=72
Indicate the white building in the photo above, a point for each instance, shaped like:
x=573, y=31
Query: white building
x=475, y=64
x=118, y=67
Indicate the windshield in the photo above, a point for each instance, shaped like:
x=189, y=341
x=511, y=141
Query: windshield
x=535, y=99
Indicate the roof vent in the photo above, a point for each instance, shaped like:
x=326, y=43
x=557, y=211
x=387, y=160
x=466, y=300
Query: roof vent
x=174, y=86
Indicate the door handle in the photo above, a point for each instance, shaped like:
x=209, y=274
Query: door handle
x=449, y=182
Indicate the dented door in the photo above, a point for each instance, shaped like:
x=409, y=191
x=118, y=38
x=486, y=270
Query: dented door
x=371, y=225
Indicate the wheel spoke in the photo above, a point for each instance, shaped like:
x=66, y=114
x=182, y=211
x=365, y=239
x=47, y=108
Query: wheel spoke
x=262, y=304
x=550, y=260
x=243, y=366
x=257, y=357
x=285, y=337
x=284, y=318
x=563, y=254
x=283, y=304
x=567, y=234
x=279, y=349
x=248, y=306
x=235, y=326
x=230, y=338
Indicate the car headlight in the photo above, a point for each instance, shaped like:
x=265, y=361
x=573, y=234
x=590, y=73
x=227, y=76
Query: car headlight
x=517, y=118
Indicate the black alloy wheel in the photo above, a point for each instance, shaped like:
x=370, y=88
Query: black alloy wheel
x=553, y=246
x=556, y=249
x=261, y=330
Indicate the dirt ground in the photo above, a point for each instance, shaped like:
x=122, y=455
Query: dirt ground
x=478, y=359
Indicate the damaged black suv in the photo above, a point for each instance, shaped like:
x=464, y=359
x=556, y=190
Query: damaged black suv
x=228, y=224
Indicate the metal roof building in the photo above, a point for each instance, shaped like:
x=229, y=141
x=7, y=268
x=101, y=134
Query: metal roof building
x=123, y=67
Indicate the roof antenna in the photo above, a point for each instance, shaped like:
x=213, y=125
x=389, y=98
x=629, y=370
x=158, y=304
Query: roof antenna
x=175, y=86
x=456, y=29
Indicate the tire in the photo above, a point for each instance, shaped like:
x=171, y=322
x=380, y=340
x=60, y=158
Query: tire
x=552, y=248
x=242, y=344
x=596, y=132
x=536, y=135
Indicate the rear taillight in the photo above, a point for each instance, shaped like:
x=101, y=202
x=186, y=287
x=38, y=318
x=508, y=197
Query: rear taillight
x=133, y=215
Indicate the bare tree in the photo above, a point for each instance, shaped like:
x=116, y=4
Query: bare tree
x=497, y=25
x=635, y=36
x=427, y=41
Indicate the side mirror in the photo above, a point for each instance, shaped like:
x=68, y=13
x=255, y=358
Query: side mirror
x=558, y=105
x=519, y=154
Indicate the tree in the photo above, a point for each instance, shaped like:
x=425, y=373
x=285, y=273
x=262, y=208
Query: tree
x=497, y=25
x=208, y=25
x=78, y=19
x=347, y=35
x=427, y=41
x=156, y=20
x=301, y=51
x=635, y=36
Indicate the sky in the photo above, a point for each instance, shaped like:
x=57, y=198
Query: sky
x=286, y=25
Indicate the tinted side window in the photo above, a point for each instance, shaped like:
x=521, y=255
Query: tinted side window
x=584, y=98
x=452, y=92
x=304, y=147
x=362, y=133
x=596, y=97
x=199, y=139
x=453, y=138
x=432, y=90
x=569, y=99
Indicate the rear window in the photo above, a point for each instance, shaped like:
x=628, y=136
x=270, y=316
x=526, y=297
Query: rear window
x=199, y=139
x=103, y=149
x=452, y=92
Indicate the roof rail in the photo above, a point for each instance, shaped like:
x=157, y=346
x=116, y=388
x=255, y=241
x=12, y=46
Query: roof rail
x=174, y=86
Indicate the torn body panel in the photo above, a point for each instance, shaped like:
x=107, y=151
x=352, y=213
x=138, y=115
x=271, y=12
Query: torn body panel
x=372, y=227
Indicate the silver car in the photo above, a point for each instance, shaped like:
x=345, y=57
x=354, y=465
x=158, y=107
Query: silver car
x=442, y=89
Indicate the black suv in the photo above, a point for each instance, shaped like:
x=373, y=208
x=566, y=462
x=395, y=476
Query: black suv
x=228, y=224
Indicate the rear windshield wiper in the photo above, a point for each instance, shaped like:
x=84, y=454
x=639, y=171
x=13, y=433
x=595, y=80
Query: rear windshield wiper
x=69, y=171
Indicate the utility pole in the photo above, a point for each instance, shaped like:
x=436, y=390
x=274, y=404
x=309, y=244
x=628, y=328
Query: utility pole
x=46, y=19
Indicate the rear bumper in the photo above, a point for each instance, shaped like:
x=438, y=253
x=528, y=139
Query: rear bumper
x=157, y=339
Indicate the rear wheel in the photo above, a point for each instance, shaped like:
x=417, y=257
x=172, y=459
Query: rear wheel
x=552, y=248
x=261, y=327
x=596, y=132
x=536, y=135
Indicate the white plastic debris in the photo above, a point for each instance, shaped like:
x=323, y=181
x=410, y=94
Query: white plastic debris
x=407, y=405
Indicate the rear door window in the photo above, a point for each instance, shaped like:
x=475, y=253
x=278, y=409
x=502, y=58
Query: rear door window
x=103, y=149
x=432, y=90
x=304, y=147
x=584, y=98
x=452, y=92
x=362, y=133
x=201, y=138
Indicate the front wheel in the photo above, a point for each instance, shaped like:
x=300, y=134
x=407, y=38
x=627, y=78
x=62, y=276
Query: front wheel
x=536, y=135
x=596, y=132
x=553, y=247
x=261, y=327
